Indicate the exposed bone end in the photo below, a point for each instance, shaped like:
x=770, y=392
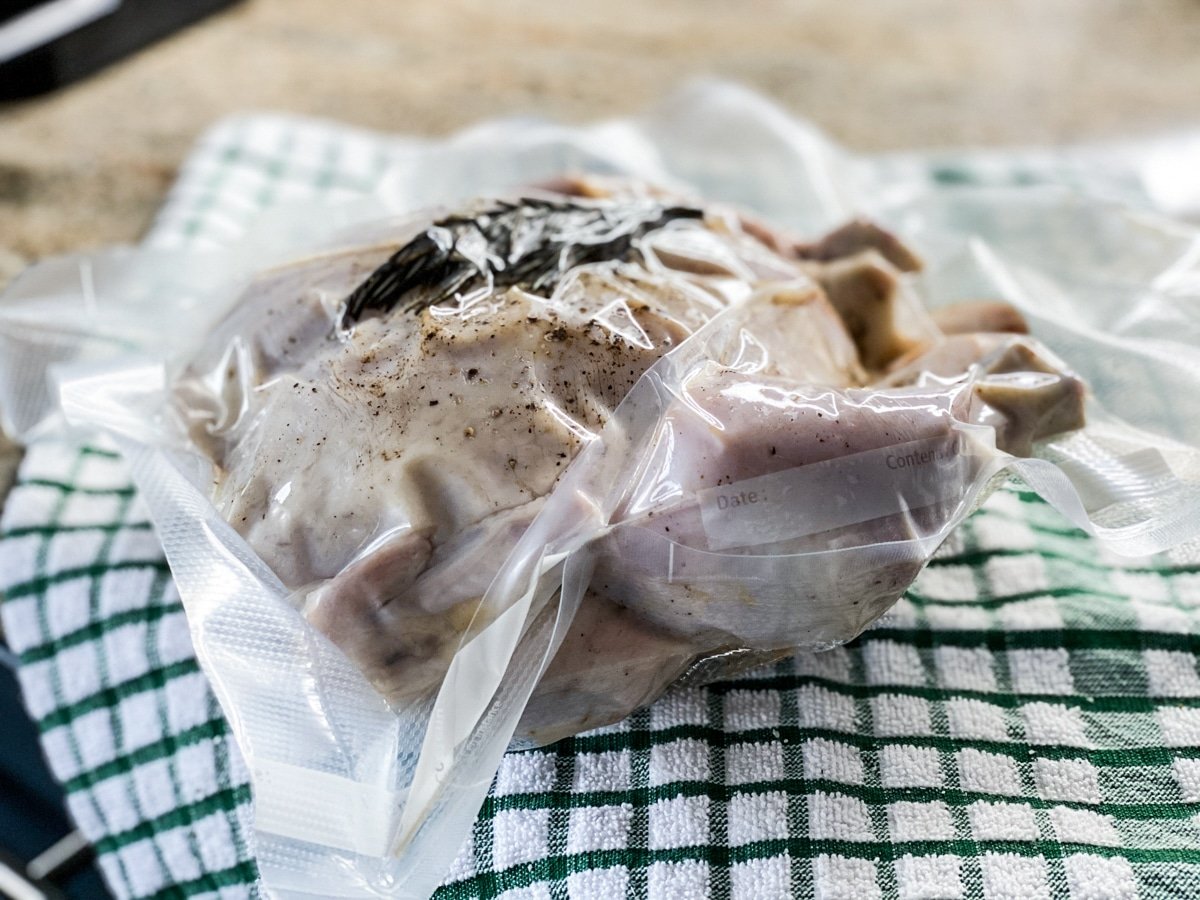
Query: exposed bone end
x=1021, y=391
x=767, y=234
x=855, y=237
x=865, y=291
x=980, y=315
x=1037, y=397
x=1035, y=407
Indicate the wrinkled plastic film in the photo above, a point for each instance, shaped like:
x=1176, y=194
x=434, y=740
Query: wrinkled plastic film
x=924, y=485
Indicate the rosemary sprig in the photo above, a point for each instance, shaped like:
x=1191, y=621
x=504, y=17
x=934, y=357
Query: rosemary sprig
x=529, y=243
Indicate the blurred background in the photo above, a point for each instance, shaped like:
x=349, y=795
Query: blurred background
x=89, y=162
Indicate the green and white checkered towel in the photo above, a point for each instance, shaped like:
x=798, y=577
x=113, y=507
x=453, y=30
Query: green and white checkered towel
x=1025, y=723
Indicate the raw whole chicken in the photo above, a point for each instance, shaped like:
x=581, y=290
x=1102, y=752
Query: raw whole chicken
x=386, y=421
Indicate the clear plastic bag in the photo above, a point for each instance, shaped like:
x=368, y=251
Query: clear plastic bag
x=726, y=501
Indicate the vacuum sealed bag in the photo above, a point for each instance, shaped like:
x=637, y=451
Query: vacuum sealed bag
x=497, y=471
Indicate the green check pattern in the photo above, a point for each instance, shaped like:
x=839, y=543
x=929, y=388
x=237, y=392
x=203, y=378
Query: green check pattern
x=1025, y=723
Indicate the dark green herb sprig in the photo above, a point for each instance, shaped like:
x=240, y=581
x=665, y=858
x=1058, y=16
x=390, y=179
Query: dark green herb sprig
x=529, y=243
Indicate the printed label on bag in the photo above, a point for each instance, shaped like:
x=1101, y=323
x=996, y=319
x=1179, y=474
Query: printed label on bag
x=835, y=493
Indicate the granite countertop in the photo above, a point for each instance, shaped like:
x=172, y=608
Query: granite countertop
x=89, y=165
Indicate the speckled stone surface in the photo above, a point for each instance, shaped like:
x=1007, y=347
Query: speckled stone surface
x=90, y=165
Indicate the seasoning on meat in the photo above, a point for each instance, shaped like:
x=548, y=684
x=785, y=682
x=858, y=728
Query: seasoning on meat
x=386, y=467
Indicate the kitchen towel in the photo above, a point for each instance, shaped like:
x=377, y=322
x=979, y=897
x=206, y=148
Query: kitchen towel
x=1025, y=723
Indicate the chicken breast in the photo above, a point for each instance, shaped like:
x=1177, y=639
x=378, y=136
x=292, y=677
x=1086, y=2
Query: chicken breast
x=386, y=421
